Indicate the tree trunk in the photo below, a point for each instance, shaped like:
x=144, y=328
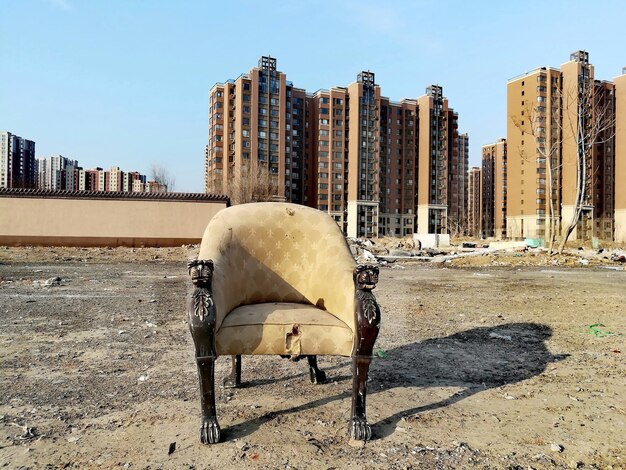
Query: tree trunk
x=581, y=177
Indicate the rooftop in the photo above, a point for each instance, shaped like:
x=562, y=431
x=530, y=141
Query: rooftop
x=58, y=194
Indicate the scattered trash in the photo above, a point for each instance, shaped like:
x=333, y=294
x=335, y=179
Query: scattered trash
x=242, y=446
x=618, y=257
x=28, y=433
x=598, y=333
x=583, y=261
x=557, y=448
x=381, y=353
x=143, y=378
x=420, y=449
x=368, y=256
x=73, y=439
x=53, y=281
x=122, y=332
x=172, y=448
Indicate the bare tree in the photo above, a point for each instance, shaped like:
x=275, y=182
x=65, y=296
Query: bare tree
x=163, y=177
x=252, y=182
x=547, y=146
x=581, y=119
x=592, y=125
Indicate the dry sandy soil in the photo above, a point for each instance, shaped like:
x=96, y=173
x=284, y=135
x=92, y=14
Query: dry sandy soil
x=480, y=364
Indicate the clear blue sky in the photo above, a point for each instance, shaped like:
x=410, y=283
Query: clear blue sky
x=125, y=83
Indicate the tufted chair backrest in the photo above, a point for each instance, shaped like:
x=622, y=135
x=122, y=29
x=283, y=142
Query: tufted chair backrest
x=279, y=252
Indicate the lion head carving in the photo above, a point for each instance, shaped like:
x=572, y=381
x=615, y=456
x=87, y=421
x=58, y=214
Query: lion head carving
x=200, y=270
x=366, y=276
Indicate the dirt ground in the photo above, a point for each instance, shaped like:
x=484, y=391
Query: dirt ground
x=489, y=363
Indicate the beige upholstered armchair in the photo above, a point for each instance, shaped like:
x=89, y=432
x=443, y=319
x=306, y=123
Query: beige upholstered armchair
x=278, y=278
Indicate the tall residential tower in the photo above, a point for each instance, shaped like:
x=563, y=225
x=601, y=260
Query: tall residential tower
x=17, y=161
x=378, y=167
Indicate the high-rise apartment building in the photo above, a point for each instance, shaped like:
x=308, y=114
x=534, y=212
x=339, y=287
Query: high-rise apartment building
x=129, y=179
x=438, y=163
x=494, y=189
x=326, y=151
x=256, y=136
x=620, y=157
x=17, y=162
x=457, y=203
x=398, y=167
x=95, y=179
x=347, y=151
x=553, y=115
x=363, y=156
x=56, y=172
x=474, y=182
x=116, y=178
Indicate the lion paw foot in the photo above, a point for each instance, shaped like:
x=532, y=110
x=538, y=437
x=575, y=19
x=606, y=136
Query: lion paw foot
x=360, y=430
x=209, y=431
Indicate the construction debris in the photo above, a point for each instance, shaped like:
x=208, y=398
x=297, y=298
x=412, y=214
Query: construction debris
x=530, y=252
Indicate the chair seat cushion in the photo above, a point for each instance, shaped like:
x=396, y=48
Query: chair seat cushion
x=283, y=328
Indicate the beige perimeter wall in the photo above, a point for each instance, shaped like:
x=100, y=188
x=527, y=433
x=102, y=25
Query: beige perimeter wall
x=93, y=222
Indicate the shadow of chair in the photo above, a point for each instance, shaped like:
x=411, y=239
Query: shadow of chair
x=474, y=360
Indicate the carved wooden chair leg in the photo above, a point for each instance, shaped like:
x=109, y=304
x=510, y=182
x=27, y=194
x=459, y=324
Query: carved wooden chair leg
x=367, y=315
x=234, y=379
x=316, y=375
x=201, y=318
x=209, y=427
x=359, y=429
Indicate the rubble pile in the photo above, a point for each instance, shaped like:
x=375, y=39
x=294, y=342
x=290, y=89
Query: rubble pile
x=502, y=253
